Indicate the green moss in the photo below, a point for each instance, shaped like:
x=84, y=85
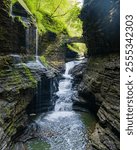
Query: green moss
x=13, y=78
x=7, y=110
x=29, y=75
x=11, y=129
x=43, y=60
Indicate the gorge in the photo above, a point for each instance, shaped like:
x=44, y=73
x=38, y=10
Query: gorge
x=54, y=93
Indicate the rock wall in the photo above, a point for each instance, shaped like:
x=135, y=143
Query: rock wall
x=13, y=31
x=100, y=86
x=101, y=26
x=17, y=88
x=20, y=86
x=18, y=83
x=51, y=46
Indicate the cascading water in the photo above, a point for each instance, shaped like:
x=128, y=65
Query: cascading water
x=65, y=92
x=31, y=64
x=11, y=12
x=63, y=128
x=37, y=63
x=11, y=8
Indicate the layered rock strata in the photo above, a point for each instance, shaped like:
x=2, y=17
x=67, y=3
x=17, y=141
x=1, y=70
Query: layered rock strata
x=18, y=87
x=100, y=86
x=100, y=89
x=16, y=31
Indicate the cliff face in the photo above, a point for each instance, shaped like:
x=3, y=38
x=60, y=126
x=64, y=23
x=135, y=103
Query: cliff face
x=17, y=88
x=13, y=31
x=101, y=81
x=100, y=88
x=101, y=26
x=17, y=81
x=51, y=46
x=17, y=85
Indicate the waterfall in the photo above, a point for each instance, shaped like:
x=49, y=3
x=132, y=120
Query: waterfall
x=37, y=63
x=65, y=90
x=37, y=42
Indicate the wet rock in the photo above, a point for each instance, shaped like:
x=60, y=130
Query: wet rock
x=100, y=87
x=53, y=47
x=18, y=85
x=80, y=104
x=78, y=70
x=103, y=139
x=19, y=10
x=19, y=146
x=13, y=31
x=70, y=54
x=28, y=134
x=101, y=26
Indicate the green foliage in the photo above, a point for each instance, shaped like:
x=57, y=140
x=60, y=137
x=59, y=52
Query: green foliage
x=14, y=1
x=55, y=15
x=78, y=47
x=29, y=75
x=74, y=24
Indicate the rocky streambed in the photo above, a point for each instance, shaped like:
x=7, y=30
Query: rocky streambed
x=61, y=128
x=65, y=119
x=26, y=87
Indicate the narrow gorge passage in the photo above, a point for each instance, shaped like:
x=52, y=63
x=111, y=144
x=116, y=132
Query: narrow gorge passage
x=63, y=128
x=47, y=95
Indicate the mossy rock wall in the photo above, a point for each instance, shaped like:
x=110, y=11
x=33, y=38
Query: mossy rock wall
x=17, y=88
x=52, y=47
x=13, y=32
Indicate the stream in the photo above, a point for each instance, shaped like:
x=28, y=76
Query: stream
x=63, y=128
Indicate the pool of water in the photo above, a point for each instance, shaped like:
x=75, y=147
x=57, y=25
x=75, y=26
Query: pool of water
x=62, y=130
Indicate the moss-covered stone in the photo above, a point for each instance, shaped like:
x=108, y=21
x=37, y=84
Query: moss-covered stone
x=17, y=86
x=52, y=48
x=13, y=30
